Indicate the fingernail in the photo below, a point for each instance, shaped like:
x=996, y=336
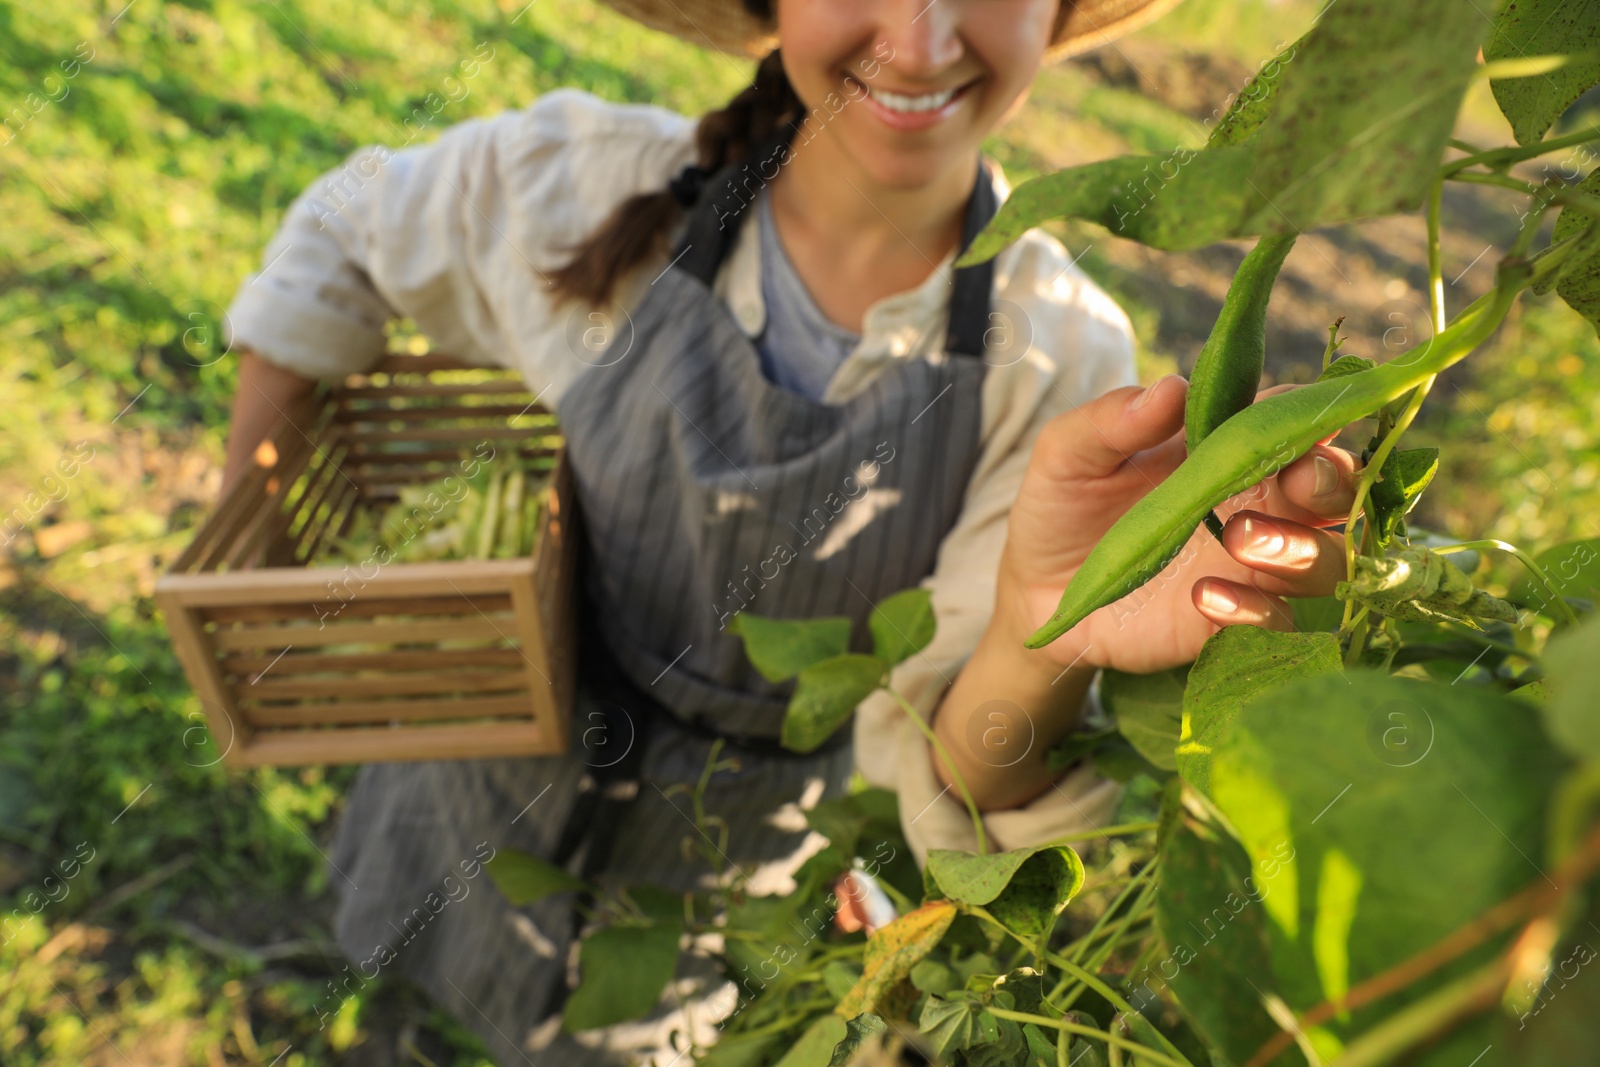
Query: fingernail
x=1327, y=476
x=1219, y=598
x=1263, y=539
x=1144, y=398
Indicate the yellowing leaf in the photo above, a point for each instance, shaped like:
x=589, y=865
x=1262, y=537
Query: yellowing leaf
x=891, y=953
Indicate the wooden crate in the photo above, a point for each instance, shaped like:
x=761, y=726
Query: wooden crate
x=383, y=661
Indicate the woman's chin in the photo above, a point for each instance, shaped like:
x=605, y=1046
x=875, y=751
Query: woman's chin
x=895, y=166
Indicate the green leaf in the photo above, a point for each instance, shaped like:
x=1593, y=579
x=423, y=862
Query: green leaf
x=1135, y=1026
x=1347, y=871
x=1345, y=366
x=974, y=879
x=1178, y=201
x=1216, y=955
x=1536, y=692
x=1254, y=102
x=1356, y=128
x=1405, y=474
x=931, y=976
x=524, y=878
x=739, y=1050
x=953, y=1025
x=1572, y=715
x=845, y=819
x=1542, y=28
x=1578, y=283
x=815, y=1046
x=891, y=953
x=1574, y=571
x=782, y=648
x=840, y=977
x=902, y=625
x=1039, y=892
x=857, y=1032
x=1025, y=889
x=1083, y=1052
x=1041, y=1046
x=1007, y=1048
x=1119, y=761
x=625, y=969
x=1363, y=114
x=1026, y=988
x=1317, y=613
x=1148, y=709
x=1237, y=665
x=1075, y=746
x=827, y=696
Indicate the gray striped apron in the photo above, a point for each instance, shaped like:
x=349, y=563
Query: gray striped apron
x=705, y=490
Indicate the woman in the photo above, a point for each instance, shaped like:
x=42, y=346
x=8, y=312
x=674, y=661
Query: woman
x=778, y=398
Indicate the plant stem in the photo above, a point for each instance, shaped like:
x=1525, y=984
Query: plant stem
x=1527, y=561
x=1112, y=996
x=1579, y=203
x=1391, y=629
x=1369, y=473
x=1333, y=341
x=1113, y=941
x=1428, y=1017
x=949, y=765
x=1088, y=1031
x=1358, y=640
x=1111, y=910
x=1516, y=153
x=1435, y=275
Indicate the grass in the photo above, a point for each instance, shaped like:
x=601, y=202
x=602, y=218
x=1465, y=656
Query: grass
x=138, y=192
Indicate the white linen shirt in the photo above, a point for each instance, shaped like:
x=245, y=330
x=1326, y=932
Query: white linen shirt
x=460, y=236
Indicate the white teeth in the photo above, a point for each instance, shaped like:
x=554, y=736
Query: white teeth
x=926, y=102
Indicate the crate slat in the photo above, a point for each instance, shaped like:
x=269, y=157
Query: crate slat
x=277, y=511
x=495, y=387
x=365, y=607
x=362, y=460
x=397, y=364
x=442, y=413
x=344, y=494
x=394, y=745
x=363, y=633
x=464, y=434
x=242, y=665
x=363, y=713
x=252, y=694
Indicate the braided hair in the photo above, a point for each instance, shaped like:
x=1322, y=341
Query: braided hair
x=637, y=228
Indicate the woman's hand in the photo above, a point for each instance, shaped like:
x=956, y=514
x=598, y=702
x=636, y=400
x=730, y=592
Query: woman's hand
x=1090, y=465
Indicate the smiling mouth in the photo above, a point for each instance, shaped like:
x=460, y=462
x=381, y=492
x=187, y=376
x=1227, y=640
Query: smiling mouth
x=913, y=105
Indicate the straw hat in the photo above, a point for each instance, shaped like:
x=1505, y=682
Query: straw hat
x=726, y=26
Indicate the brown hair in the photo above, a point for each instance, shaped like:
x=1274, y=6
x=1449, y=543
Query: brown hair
x=637, y=227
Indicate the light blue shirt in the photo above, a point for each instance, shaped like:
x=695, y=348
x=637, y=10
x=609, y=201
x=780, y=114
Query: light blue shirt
x=800, y=346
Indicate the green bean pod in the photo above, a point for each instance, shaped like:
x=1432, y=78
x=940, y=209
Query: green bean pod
x=1250, y=447
x=1227, y=372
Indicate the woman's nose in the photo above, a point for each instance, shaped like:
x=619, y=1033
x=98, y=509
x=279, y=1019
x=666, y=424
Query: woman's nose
x=924, y=36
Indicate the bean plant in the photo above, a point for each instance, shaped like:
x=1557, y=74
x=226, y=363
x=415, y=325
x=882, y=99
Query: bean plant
x=1372, y=840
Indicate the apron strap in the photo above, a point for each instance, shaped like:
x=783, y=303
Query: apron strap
x=714, y=219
